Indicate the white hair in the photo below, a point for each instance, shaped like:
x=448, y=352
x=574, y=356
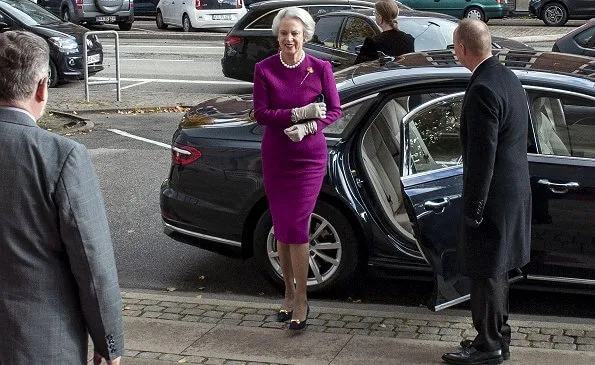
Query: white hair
x=298, y=13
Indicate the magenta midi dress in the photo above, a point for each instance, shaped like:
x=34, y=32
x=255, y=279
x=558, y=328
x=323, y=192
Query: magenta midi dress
x=292, y=171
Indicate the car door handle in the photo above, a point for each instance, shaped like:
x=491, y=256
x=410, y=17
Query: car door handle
x=335, y=63
x=557, y=188
x=436, y=205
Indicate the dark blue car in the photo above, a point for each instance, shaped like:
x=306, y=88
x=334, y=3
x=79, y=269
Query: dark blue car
x=392, y=194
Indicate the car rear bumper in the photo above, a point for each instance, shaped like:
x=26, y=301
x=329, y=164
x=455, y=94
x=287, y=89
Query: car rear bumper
x=225, y=18
x=236, y=68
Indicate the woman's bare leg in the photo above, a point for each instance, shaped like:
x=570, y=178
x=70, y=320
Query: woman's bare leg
x=286, y=267
x=300, y=255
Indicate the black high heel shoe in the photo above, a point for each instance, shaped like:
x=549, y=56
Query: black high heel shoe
x=296, y=324
x=284, y=315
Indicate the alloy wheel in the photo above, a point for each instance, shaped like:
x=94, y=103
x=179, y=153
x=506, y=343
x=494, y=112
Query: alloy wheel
x=325, y=251
x=554, y=14
x=475, y=14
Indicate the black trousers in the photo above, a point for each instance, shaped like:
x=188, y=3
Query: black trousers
x=489, y=310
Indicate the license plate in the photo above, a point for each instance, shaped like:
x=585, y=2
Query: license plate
x=106, y=19
x=93, y=59
x=221, y=16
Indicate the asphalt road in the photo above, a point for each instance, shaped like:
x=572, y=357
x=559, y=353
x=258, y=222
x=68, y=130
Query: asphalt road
x=131, y=172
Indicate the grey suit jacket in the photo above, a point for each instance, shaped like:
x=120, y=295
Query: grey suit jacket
x=58, y=278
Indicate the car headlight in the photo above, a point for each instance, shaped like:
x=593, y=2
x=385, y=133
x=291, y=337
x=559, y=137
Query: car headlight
x=65, y=44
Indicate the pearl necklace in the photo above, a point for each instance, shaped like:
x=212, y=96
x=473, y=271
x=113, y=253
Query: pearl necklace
x=296, y=64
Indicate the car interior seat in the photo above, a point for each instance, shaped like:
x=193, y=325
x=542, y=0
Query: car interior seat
x=549, y=119
x=385, y=177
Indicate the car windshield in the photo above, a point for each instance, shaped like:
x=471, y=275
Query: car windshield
x=28, y=13
x=429, y=33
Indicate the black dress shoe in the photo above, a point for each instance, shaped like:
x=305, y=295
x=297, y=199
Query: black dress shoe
x=471, y=356
x=283, y=315
x=296, y=324
x=505, y=349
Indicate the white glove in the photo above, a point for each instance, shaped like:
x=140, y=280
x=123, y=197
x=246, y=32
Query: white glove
x=310, y=111
x=297, y=132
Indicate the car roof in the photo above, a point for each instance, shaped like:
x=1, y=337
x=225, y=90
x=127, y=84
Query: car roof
x=547, y=68
x=286, y=3
x=402, y=13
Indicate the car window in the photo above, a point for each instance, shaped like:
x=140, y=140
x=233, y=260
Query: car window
x=564, y=125
x=354, y=33
x=586, y=38
x=351, y=113
x=29, y=13
x=432, y=136
x=326, y=30
x=264, y=22
x=429, y=33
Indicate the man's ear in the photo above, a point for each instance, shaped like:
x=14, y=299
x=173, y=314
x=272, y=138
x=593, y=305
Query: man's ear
x=41, y=94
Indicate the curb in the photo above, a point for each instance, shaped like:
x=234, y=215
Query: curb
x=156, y=109
x=85, y=123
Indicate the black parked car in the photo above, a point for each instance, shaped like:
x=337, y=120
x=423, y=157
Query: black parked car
x=337, y=36
x=392, y=194
x=65, y=39
x=558, y=12
x=579, y=41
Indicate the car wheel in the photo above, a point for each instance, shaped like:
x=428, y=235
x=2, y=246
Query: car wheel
x=159, y=21
x=475, y=13
x=52, y=74
x=555, y=15
x=333, y=250
x=125, y=26
x=186, y=25
x=65, y=14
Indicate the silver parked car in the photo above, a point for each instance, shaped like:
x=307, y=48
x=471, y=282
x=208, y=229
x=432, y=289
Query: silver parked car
x=120, y=12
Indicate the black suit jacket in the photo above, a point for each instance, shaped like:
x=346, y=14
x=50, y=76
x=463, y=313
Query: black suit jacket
x=496, y=189
x=391, y=42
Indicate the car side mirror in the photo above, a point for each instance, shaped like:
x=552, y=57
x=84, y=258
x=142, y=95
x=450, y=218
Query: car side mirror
x=358, y=48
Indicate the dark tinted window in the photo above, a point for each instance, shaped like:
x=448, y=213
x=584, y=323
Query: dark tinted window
x=327, y=29
x=586, y=38
x=317, y=10
x=264, y=22
x=28, y=13
x=354, y=33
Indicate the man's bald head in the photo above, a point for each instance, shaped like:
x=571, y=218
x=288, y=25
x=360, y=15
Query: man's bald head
x=475, y=36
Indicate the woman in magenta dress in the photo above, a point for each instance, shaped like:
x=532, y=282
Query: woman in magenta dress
x=288, y=91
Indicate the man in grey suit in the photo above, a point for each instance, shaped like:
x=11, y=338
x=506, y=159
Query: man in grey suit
x=58, y=279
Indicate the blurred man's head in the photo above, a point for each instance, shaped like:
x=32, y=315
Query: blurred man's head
x=24, y=63
x=472, y=42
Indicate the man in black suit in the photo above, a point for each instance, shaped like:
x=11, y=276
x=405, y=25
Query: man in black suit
x=496, y=231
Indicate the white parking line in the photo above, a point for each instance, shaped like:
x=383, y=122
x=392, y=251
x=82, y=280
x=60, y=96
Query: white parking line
x=133, y=85
x=175, y=46
x=204, y=82
x=126, y=134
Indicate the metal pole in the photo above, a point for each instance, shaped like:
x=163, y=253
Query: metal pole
x=86, y=66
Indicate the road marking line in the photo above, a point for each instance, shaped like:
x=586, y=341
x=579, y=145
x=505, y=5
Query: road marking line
x=150, y=59
x=176, y=47
x=133, y=85
x=143, y=139
x=216, y=82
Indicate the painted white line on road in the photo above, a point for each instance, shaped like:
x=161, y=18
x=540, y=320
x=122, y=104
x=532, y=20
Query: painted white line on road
x=143, y=139
x=153, y=59
x=204, y=82
x=133, y=85
x=172, y=46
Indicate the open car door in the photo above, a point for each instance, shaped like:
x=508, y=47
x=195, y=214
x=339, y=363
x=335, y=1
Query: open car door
x=433, y=183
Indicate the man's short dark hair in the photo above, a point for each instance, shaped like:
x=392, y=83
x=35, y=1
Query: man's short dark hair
x=24, y=60
x=475, y=36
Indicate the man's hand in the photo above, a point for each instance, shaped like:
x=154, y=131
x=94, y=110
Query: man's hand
x=311, y=111
x=97, y=360
x=297, y=132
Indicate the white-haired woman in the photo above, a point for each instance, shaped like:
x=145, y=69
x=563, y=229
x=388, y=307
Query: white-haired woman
x=295, y=97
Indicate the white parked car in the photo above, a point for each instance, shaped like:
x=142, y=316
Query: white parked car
x=196, y=14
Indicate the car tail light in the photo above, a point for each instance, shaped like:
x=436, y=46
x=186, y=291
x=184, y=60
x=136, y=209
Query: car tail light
x=184, y=155
x=79, y=4
x=198, y=5
x=239, y=4
x=232, y=40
